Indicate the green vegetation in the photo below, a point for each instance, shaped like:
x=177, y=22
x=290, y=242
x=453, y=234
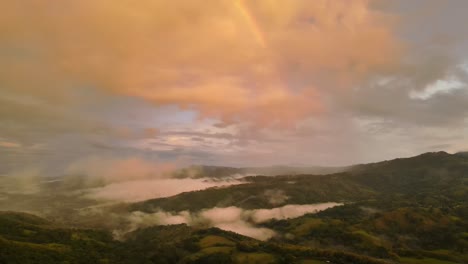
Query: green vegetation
x=402, y=211
x=424, y=260
x=26, y=238
x=210, y=241
x=158, y=244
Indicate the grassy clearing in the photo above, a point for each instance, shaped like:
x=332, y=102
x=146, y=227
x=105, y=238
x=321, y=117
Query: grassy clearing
x=254, y=258
x=312, y=261
x=308, y=225
x=211, y=241
x=212, y=250
x=424, y=260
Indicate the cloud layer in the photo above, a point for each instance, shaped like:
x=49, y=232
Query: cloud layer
x=232, y=218
x=230, y=82
x=140, y=190
x=233, y=60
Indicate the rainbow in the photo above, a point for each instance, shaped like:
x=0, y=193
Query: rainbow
x=249, y=19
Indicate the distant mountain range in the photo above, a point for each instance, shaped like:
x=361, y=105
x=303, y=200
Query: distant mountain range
x=437, y=171
x=204, y=171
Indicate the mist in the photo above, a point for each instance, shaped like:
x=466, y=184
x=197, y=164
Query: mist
x=95, y=181
x=140, y=190
x=235, y=219
x=95, y=191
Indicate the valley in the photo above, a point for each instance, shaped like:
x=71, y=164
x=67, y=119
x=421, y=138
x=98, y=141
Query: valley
x=410, y=210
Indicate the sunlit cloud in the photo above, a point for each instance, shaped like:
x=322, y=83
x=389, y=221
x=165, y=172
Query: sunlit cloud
x=196, y=54
x=439, y=87
x=230, y=81
x=7, y=144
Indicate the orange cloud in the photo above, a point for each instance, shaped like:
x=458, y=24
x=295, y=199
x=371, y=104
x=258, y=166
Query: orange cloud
x=7, y=144
x=232, y=60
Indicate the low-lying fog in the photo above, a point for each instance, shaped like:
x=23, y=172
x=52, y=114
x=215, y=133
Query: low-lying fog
x=235, y=219
x=94, y=193
x=93, y=181
x=140, y=190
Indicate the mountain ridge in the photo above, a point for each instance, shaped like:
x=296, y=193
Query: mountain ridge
x=406, y=210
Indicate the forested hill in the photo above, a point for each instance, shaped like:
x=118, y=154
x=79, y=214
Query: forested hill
x=28, y=239
x=437, y=174
x=217, y=172
x=410, y=210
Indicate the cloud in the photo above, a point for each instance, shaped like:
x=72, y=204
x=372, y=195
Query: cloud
x=276, y=197
x=8, y=144
x=231, y=218
x=124, y=48
x=246, y=229
x=230, y=83
x=112, y=169
x=25, y=181
x=140, y=190
x=140, y=219
x=132, y=179
x=288, y=211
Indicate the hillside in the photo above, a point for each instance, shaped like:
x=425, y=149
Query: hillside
x=26, y=239
x=426, y=176
x=410, y=210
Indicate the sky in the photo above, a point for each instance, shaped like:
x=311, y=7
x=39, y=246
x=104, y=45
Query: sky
x=143, y=84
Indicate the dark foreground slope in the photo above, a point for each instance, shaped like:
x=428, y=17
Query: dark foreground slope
x=27, y=239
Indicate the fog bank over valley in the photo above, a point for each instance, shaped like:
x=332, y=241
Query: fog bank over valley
x=235, y=219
